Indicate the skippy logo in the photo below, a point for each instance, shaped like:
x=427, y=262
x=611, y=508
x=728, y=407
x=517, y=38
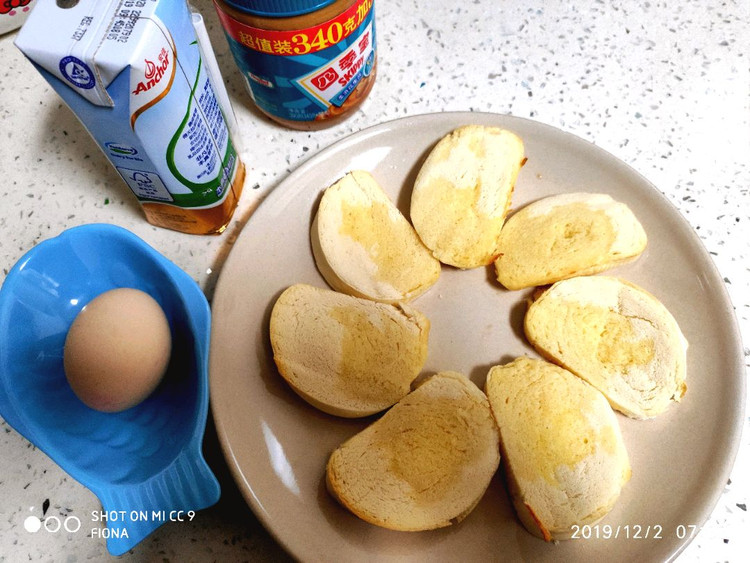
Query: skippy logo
x=334, y=83
x=151, y=81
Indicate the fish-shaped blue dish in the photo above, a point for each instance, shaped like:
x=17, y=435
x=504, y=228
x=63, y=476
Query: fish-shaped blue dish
x=144, y=463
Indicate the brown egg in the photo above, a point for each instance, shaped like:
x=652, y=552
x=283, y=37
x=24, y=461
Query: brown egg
x=117, y=349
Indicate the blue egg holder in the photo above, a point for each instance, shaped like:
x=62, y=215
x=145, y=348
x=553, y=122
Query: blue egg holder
x=145, y=463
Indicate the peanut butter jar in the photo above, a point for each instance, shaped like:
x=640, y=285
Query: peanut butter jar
x=307, y=64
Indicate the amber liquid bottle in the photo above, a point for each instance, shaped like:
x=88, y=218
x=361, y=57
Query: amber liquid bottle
x=202, y=221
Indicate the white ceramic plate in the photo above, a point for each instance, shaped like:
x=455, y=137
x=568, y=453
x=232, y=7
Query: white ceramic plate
x=277, y=446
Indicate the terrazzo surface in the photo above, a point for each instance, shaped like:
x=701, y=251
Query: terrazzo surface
x=663, y=86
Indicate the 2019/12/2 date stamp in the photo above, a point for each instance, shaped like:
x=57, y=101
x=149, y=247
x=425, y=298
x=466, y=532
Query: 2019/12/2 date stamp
x=632, y=531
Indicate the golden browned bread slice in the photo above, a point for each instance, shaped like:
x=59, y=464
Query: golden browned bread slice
x=463, y=191
x=616, y=336
x=345, y=355
x=365, y=247
x=562, y=449
x=425, y=464
x=566, y=235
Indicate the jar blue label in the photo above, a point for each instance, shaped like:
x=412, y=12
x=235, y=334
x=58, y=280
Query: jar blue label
x=309, y=74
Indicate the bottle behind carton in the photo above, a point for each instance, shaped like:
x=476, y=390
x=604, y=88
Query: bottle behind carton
x=138, y=77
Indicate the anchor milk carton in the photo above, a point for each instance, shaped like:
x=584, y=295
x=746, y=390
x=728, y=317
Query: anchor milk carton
x=147, y=89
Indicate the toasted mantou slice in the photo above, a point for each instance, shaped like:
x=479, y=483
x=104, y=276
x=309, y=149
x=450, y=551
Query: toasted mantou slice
x=463, y=191
x=562, y=449
x=566, y=235
x=345, y=355
x=616, y=336
x=365, y=247
x=425, y=463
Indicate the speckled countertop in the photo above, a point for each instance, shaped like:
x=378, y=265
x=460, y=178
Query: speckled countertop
x=664, y=86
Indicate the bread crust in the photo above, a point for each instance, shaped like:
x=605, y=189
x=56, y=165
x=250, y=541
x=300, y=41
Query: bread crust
x=563, y=452
x=364, y=246
x=566, y=235
x=615, y=335
x=463, y=191
x=344, y=355
x=425, y=464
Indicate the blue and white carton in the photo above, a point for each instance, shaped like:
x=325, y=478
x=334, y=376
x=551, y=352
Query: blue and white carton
x=141, y=77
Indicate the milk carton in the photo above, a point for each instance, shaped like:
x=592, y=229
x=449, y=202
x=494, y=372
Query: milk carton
x=138, y=78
